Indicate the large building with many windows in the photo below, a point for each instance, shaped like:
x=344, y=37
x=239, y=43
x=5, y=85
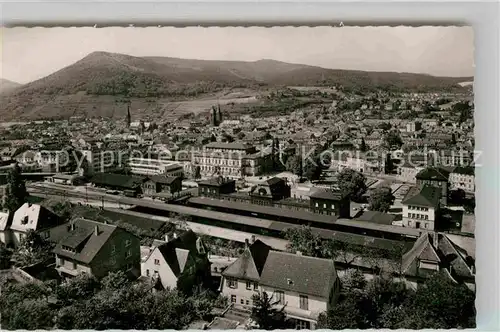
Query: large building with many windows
x=420, y=207
x=232, y=160
x=147, y=166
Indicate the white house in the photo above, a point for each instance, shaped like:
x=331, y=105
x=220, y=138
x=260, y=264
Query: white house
x=420, y=206
x=287, y=278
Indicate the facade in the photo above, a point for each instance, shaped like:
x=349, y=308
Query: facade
x=87, y=246
x=286, y=277
x=32, y=217
x=413, y=126
x=435, y=177
x=145, y=166
x=158, y=185
x=216, y=187
x=329, y=202
x=420, y=207
x=463, y=178
x=168, y=261
x=232, y=160
x=102, y=160
x=408, y=173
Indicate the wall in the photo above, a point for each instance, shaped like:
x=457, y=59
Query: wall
x=67, y=266
x=411, y=222
x=241, y=292
x=103, y=263
x=167, y=277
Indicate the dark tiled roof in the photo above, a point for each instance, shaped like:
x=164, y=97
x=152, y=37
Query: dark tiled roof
x=425, y=196
x=118, y=180
x=321, y=193
x=469, y=170
x=376, y=217
x=82, y=236
x=176, y=251
x=422, y=250
x=229, y=146
x=452, y=256
x=250, y=264
x=433, y=173
x=162, y=179
x=302, y=274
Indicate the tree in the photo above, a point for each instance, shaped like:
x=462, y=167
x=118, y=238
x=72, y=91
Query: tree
x=32, y=249
x=294, y=165
x=241, y=135
x=115, y=280
x=381, y=199
x=266, y=314
x=197, y=172
x=392, y=139
x=352, y=184
x=353, y=280
x=302, y=239
x=5, y=257
x=363, y=146
x=15, y=193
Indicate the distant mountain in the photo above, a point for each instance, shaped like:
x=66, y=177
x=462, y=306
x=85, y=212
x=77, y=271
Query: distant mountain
x=111, y=74
x=6, y=85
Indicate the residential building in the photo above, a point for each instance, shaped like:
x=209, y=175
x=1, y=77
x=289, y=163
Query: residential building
x=463, y=178
x=167, y=262
x=413, y=126
x=100, y=160
x=147, y=166
x=408, y=172
x=436, y=177
x=32, y=217
x=161, y=186
x=332, y=202
x=433, y=253
x=87, y=246
x=420, y=207
x=286, y=277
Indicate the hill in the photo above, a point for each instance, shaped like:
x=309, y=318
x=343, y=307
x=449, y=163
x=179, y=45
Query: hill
x=6, y=85
x=100, y=75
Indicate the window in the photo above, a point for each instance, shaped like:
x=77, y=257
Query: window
x=249, y=285
x=113, y=249
x=61, y=261
x=129, y=253
x=333, y=206
x=147, y=273
x=128, y=243
x=317, y=205
x=74, y=265
x=231, y=283
x=242, y=301
x=324, y=206
x=279, y=296
x=247, y=302
x=304, y=302
x=233, y=298
x=255, y=286
x=157, y=262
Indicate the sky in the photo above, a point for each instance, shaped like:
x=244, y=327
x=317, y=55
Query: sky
x=32, y=53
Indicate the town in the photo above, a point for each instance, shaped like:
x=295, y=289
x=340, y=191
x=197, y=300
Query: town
x=274, y=188
x=252, y=203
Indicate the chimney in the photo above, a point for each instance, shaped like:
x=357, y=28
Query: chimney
x=253, y=238
x=247, y=243
x=166, y=238
x=435, y=239
x=175, y=235
x=96, y=230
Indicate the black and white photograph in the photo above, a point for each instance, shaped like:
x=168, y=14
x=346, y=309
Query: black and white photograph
x=221, y=178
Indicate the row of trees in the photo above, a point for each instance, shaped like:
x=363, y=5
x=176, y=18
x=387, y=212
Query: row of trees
x=111, y=303
x=438, y=303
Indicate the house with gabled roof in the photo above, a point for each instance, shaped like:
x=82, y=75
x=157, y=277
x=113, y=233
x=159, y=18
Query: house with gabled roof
x=421, y=206
x=180, y=253
x=436, y=177
x=87, y=246
x=287, y=278
x=433, y=253
x=32, y=217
